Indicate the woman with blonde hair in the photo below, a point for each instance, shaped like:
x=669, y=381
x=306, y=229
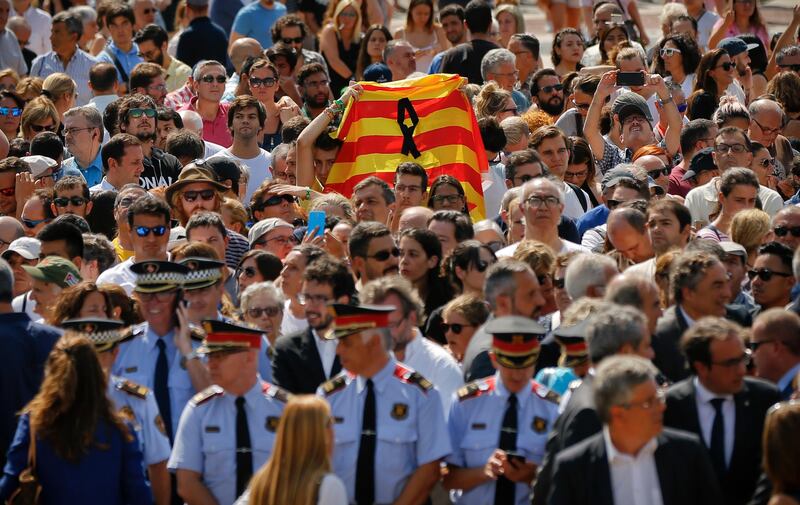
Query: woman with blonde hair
x=29, y=88
x=751, y=228
x=510, y=20
x=40, y=114
x=493, y=101
x=339, y=43
x=62, y=90
x=299, y=470
x=781, y=445
x=9, y=79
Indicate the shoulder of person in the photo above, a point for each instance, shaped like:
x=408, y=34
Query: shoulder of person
x=276, y=392
x=476, y=388
x=545, y=393
x=132, y=388
x=336, y=384
x=207, y=394
x=409, y=376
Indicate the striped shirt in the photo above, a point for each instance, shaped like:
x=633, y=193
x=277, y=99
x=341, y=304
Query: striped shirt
x=178, y=98
x=78, y=68
x=237, y=247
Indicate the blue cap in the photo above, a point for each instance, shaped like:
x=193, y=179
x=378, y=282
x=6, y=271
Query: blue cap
x=377, y=72
x=735, y=45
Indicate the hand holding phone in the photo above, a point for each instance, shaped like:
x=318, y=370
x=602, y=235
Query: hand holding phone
x=316, y=223
x=630, y=78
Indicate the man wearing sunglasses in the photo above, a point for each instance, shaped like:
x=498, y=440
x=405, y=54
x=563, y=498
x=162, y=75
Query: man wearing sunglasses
x=71, y=196
x=547, y=92
x=292, y=30
x=148, y=79
x=138, y=117
x=722, y=406
x=208, y=83
x=786, y=226
x=771, y=278
x=153, y=41
x=144, y=11
x=36, y=213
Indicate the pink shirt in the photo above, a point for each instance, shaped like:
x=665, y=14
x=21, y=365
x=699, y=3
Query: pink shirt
x=215, y=131
x=733, y=31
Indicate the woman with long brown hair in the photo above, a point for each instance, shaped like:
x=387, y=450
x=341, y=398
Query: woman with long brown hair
x=299, y=470
x=84, y=452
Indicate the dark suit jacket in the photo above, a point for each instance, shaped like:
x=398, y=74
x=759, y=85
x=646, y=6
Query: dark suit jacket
x=296, y=363
x=582, y=475
x=752, y=403
x=666, y=341
x=578, y=422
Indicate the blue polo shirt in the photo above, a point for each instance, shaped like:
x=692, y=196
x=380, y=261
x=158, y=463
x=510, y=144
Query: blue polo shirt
x=127, y=60
x=256, y=21
x=93, y=174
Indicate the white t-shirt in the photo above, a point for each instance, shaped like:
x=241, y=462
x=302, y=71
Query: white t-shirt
x=258, y=167
x=572, y=204
x=704, y=27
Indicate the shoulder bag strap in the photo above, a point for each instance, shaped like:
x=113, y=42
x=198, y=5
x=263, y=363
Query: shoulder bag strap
x=31, y=446
x=117, y=64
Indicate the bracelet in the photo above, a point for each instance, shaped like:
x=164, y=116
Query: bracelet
x=665, y=101
x=330, y=113
x=339, y=104
x=308, y=193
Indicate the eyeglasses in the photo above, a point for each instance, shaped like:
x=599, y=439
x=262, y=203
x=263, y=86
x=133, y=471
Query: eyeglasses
x=136, y=113
x=277, y=200
x=613, y=204
x=384, y=255
x=559, y=282
x=727, y=66
x=782, y=231
x=765, y=274
x=305, y=299
x=10, y=111
x=448, y=198
x=580, y=106
x=725, y=148
x=576, y=175
x=208, y=79
x=316, y=84
x=554, y=87
x=655, y=174
x=144, y=231
x=753, y=346
x=267, y=82
x=76, y=201
x=256, y=312
x=538, y=202
x=206, y=195
x=657, y=400
x=744, y=359
x=162, y=296
x=33, y=223
x=293, y=40
x=148, y=11
x=282, y=241
x=767, y=131
x=248, y=272
x=74, y=131
x=10, y=191
x=669, y=52
x=455, y=327
x=39, y=128
x=767, y=162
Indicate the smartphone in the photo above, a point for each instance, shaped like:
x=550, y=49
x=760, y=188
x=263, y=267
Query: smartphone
x=316, y=219
x=515, y=457
x=630, y=78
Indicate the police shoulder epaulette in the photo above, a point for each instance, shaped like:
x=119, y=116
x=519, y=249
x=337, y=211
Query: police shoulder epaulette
x=545, y=392
x=336, y=384
x=476, y=388
x=276, y=392
x=139, y=330
x=575, y=384
x=207, y=394
x=132, y=388
x=409, y=376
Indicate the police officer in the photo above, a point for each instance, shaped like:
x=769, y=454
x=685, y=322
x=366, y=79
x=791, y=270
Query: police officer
x=573, y=364
x=390, y=433
x=226, y=431
x=162, y=356
x=134, y=402
x=203, y=288
x=499, y=425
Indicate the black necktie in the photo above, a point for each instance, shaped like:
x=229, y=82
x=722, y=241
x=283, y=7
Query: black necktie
x=365, y=467
x=504, y=488
x=718, y=438
x=244, y=454
x=161, y=387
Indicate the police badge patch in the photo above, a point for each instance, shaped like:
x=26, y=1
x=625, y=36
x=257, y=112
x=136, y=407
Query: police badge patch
x=160, y=425
x=126, y=413
x=272, y=423
x=539, y=424
x=399, y=411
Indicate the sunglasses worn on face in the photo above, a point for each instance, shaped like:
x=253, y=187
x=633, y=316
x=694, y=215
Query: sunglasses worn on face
x=256, y=312
x=765, y=274
x=554, y=87
x=292, y=40
x=455, y=327
x=782, y=231
x=278, y=199
x=655, y=174
x=206, y=195
x=208, y=79
x=137, y=112
x=767, y=162
x=33, y=223
x=76, y=201
x=669, y=51
x=10, y=111
x=39, y=128
x=727, y=66
x=267, y=82
x=384, y=255
x=144, y=231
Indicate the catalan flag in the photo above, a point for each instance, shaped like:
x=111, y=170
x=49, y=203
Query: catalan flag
x=426, y=120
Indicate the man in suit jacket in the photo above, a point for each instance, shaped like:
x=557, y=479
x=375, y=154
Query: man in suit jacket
x=723, y=406
x=775, y=345
x=670, y=467
x=304, y=360
x=700, y=288
x=613, y=329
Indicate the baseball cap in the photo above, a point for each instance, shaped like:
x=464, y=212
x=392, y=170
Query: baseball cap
x=377, y=72
x=702, y=161
x=27, y=247
x=733, y=248
x=39, y=164
x=56, y=270
x=265, y=226
x=735, y=45
x=631, y=103
x=613, y=176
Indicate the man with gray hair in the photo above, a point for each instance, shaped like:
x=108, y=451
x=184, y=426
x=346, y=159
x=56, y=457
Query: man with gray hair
x=193, y=122
x=83, y=137
x=500, y=66
x=767, y=118
x=208, y=84
x=66, y=56
x=10, y=52
x=634, y=459
x=588, y=274
x=511, y=289
x=399, y=57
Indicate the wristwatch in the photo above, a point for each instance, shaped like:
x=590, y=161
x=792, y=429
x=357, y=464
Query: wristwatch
x=188, y=357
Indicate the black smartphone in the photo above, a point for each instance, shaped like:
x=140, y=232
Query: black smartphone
x=630, y=78
x=515, y=457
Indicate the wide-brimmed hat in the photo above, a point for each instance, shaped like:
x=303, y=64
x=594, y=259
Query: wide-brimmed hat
x=192, y=174
x=104, y=333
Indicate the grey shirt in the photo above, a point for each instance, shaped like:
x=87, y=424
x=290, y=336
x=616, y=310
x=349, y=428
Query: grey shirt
x=11, y=54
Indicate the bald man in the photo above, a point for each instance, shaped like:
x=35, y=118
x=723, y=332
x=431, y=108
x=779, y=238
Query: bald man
x=194, y=123
x=415, y=218
x=10, y=230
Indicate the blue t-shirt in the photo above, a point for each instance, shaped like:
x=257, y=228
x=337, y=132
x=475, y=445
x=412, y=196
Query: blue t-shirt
x=592, y=218
x=256, y=21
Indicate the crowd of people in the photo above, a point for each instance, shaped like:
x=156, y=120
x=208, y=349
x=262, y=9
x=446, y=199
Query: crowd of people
x=190, y=316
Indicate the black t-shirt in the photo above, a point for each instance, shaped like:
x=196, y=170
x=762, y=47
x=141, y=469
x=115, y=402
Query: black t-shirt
x=160, y=169
x=465, y=59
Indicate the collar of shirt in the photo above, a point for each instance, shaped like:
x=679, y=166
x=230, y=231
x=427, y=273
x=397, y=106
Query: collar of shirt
x=710, y=190
x=788, y=376
x=501, y=391
x=152, y=337
x=704, y=395
x=414, y=346
x=616, y=457
x=689, y=320
x=379, y=380
x=134, y=50
x=222, y=114
x=251, y=397
x=97, y=163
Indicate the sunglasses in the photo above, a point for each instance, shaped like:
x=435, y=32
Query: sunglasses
x=144, y=231
x=7, y=191
x=727, y=66
x=267, y=82
x=33, y=223
x=149, y=10
x=292, y=40
x=669, y=51
x=256, y=312
x=10, y=111
x=559, y=282
x=767, y=162
x=208, y=79
x=206, y=194
x=554, y=87
x=455, y=327
x=655, y=174
x=76, y=201
x=249, y=272
x=765, y=274
x=138, y=112
x=277, y=200
x=481, y=265
x=384, y=255
x=39, y=128
x=449, y=198
x=782, y=231
x=580, y=106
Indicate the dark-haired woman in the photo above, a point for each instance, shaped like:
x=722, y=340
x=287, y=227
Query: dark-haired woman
x=447, y=194
x=581, y=170
x=425, y=35
x=677, y=59
x=85, y=453
x=371, y=49
x=714, y=75
x=420, y=259
x=568, y=49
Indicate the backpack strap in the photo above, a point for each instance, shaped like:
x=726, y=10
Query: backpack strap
x=579, y=193
x=117, y=63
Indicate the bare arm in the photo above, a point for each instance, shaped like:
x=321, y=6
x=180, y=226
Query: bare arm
x=160, y=483
x=718, y=33
x=419, y=485
x=330, y=49
x=633, y=11
x=192, y=489
x=785, y=40
x=305, y=149
x=465, y=478
x=375, y=14
x=672, y=137
x=591, y=127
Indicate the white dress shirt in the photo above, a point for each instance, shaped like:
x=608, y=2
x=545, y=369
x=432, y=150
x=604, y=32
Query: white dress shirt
x=437, y=365
x=634, y=479
x=41, y=26
x=327, y=352
x=706, y=413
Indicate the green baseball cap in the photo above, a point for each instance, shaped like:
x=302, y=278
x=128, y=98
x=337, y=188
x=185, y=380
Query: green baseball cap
x=55, y=269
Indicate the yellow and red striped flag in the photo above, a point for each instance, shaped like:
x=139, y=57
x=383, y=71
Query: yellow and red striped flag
x=426, y=120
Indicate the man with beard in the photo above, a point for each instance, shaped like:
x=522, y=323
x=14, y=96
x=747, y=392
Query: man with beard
x=137, y=116
x=304, y=360
x=148, y=79
x=246, y=119
x=314, y=89
x=152, y=41
x=452, y=20
x=373, y=253
x=547, y=92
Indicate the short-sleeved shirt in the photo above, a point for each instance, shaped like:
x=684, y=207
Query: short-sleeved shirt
x=137, y=405
x=216, y=130
x=255, y=21
x=127, y=59
x=177, y=74
x=92, y=174
x=78, y=68
x=257, y=167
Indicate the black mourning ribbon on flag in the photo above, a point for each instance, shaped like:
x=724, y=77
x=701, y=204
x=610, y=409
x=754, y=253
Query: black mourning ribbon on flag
x=404, y=106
